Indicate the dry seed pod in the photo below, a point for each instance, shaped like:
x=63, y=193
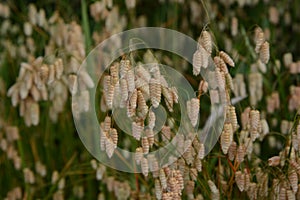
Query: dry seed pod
x=219, y=62
x=259, y=38
x=254, y=123
x=220, y=77
x=114, y=136
x=130, y=80
x=274, y=161
x=233, y=118
x=28, y=176
x=158, y=189
x=205, y=56
x=163, y=179
x=109, y=147
x=150, y=136
x=124, y=67
x=240, y=153
x=264, y=53
x=227, y=59
x=145, y=145
x=193, y=107
x=240, y=180
x=206, y=42
x=142, y=106
x=229, y=82
x=293, y=179
x=124, y=90
x=35, y=113
x=203, y=86
x=133, y=99
x=290, y=195
x=59, y=68
x=155, y=92
x=137, y=130
x=138, y=155
x=197, y=62
x=198, y=164
x=151, y=119
x=143, y=73
x=145, y=167
x=73, y=84
x=44, y=73
x=226, y=137
x=282, y=194
x=107, y=124
x=213, y=187
x=201, y=151
x=179, y=179
x=114, y=72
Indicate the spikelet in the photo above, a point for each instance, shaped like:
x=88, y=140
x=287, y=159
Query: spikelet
x=150, y=136
x=198, y=164
x=168, y=98
x=133, y=99
x=138, y=155
x=219, y=62
x=73, y=84
x=155, y=92
x=137, y=129
x=130, y=80
x=124, y=92
x=163, y=179
x=220, y=77
x=203, y=86
x=293, y=179
x=178, y=176
x=193, y=107
x=43, y=73
x=296, y=166
x=206, y=42
x=114, y=136
x=201, y=152
x=155, y=71
x=142, y=106
x=254, y=124
x=264, y=53
x=240, y=154
x=233, y=118
x=124, y=67
x=290, y=195
x=107, y=124
x=143, y=73
x=59, y=69
x=205, y=57
x=109, y=147
x=227, y=59
x=151, y=119
x=247, y=180
x=145, y=145
x=240, y=180
x=114, y=72
x=214, y=190
x=158, y=189
x=28, y=176
x=259, y=38
x=282, y=194
x=34, y=113
x=197, y=62
x=144, y=166
x=226, y=137
x=274, y=161
x=109, y=97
